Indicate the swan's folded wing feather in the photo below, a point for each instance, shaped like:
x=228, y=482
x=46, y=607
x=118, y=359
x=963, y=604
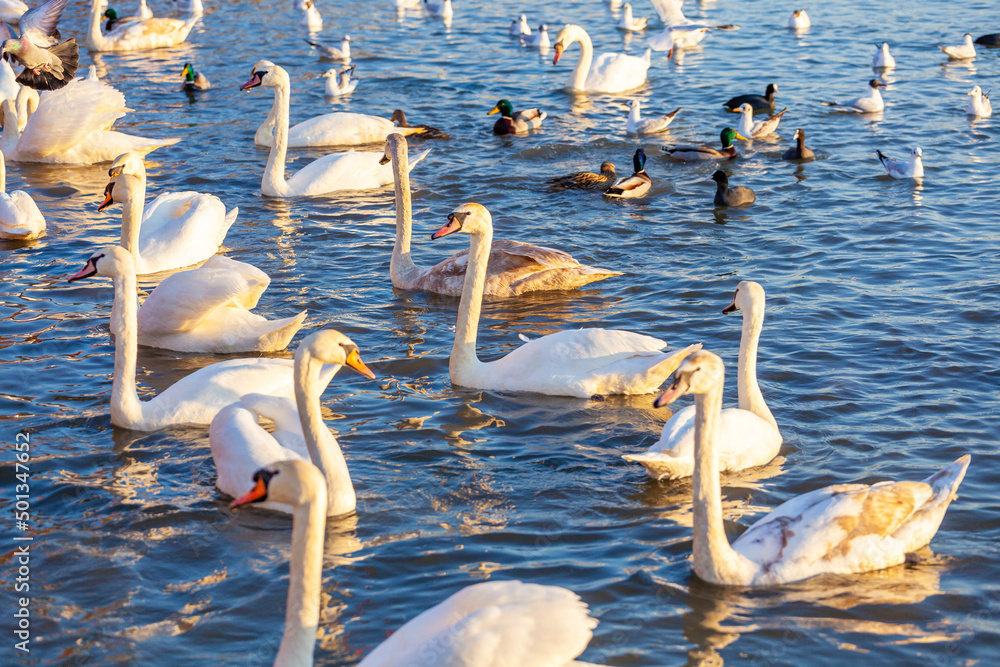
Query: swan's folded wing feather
x=617, y=70
x=184, y=300
x=257, y=281
x=66, y=116
x=547, y=257
x=491, y=624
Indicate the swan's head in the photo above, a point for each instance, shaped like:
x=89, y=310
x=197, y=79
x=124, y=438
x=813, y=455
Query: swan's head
x=503, y=107
x=332, y=347
x=110, y=262
x=395, y=144
x=128, y=163
x=915, y=152
x=875, y=84
x=120, y=190
x=294, y=483
x=469, y=218
x=747, y=297
x=566, y=36
x=264, y=73
x=700, y=373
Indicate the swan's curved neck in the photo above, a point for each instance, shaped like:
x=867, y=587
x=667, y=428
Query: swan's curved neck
x=11, y=130
x=578, y=79
x=463, y=359
x=401, y=266
x=265, y=133
x=323, y=447
x=746, y=380
x=305, y=579
x=132, y=220
x=273, y=182
x=3, y=173
x=715, y=560
x=126, y=409
x=95, y=38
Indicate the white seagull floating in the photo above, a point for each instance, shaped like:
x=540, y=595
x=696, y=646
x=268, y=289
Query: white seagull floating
x=966, y=51
x=979, y=105
x=882, y=58
x=756, y=129
x=637, y=125
x=869, y=103
x=540, y=40
x=519, y=26
x=629, y=23
x=799, y=20
x=912, y=168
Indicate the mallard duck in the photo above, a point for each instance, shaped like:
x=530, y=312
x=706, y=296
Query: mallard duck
x=194, y=80
x=585, y=180
x=964, y=51
x=912, y=168
x=760, y=128
x=870, y=103
x=638, y=125
x=799, y=151
x=726, y=196
x=635, y=185
x=513, y=122
x=695, y=153
x=399, y=118
x=763, y=102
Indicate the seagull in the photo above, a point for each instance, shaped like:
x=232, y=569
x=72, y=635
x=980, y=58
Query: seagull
x=636, y=125
x=48, y=65
x=540, y=40
x=332, y=52
x=979, y=105
x=683, y=37
x=912, y=168
x=631, y=24
x=340, y=83
x=882, y=58
x=869, y=103
x=519, y=26
x=799, y=20
x=761, y=128
x=964, y=52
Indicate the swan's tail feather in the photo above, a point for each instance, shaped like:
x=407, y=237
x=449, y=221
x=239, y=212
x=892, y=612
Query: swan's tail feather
x=230, y=219
x=149, y=145
x=281, y=333
x=662, y=466
x=420, y=157
x=673, y=362
x=945, y=481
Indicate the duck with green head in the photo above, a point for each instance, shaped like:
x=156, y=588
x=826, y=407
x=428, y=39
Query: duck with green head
x=695, y=153
x=194, y=80
x=635, y=185
x=515, y=122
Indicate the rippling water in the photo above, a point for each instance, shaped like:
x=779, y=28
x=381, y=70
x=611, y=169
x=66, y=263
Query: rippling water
x=878, y=358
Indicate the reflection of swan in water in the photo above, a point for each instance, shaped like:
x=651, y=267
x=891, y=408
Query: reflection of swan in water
x=719, y=616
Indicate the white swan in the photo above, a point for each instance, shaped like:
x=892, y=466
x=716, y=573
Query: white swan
x=579, y=362
x=20, y=218
x=143, y=11
x=344, y=171
x=610, y=73
x=340, y=128
x=840, y=529
x=980, y=104
x=70, y=126
x=151, y=33
x=197, y=397
x=9, y=87
x=240, y=446
x=11, y=10
x=748, y=435
x=208, y=310
x=299, y=485
x=514, y=268
x=490, y=624
x=177, y=229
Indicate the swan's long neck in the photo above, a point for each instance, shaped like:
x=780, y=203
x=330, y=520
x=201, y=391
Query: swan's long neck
x=274, y=172
x=3, y=173
x=714, y=559
x=305, y=579
x=323, y=447
x=401, y=266
x=95, y=38
x=132, y=220
x=463, y=353
x=265, y=133
x=746, y=381
x=578, y=79
x=126, y=409
x=11, y=132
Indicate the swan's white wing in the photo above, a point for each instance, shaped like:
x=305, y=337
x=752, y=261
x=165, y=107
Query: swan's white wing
x=179, y=229
x=615, y=72
x=184, y=300
x=240, y=447
x=353, y=170
x=492, y=624
x=341, y=129
x=65, y=116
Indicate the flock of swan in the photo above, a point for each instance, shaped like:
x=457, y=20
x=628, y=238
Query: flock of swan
x=296, y=465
